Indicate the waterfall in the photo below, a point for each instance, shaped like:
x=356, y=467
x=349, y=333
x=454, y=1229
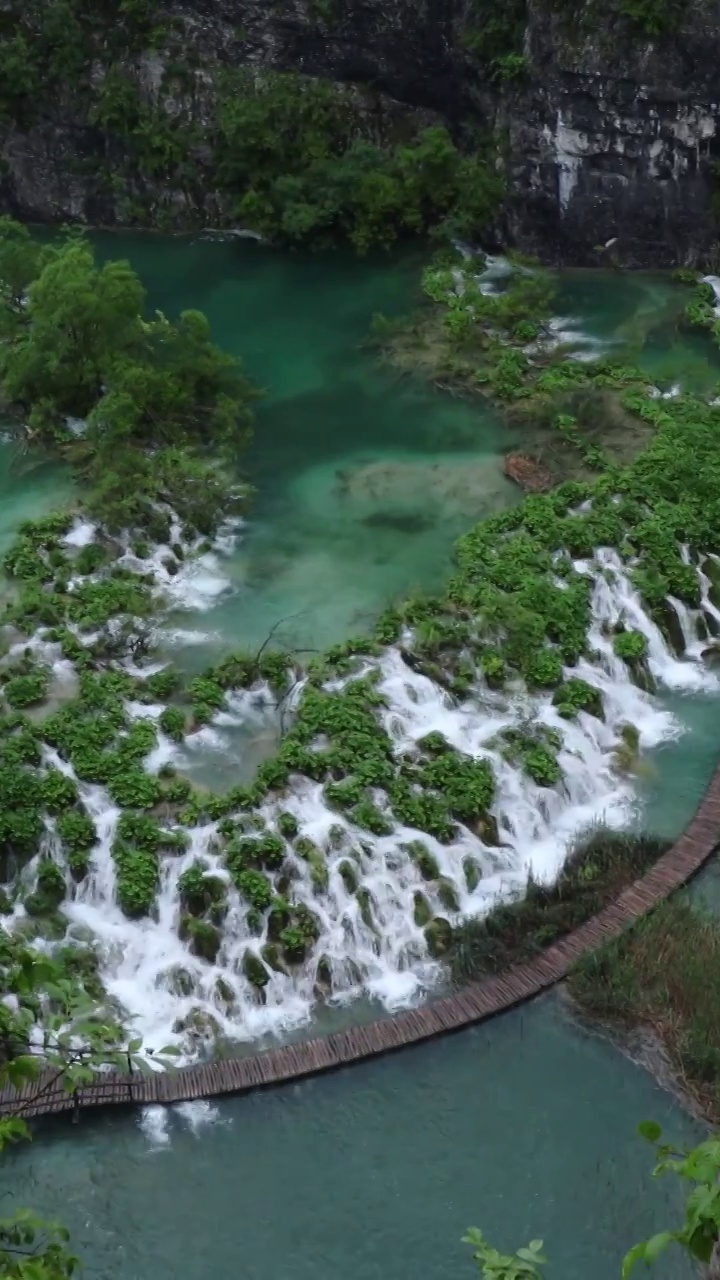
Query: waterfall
x=370, y=940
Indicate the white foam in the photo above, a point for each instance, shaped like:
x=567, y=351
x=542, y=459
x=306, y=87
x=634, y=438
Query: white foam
x=390, y=962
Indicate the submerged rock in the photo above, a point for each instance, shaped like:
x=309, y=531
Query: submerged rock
x=527, y=472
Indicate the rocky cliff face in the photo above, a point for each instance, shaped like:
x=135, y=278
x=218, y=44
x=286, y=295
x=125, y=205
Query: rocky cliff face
x=608, y=140
x=613, y=143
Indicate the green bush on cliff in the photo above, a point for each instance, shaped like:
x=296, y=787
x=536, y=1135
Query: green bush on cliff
x=290, y=147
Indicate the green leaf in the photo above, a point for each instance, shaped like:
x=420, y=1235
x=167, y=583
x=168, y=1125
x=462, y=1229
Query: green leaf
x=636, y=1254
x=657, y=1244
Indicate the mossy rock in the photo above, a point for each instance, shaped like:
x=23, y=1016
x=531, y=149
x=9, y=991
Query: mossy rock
x=272, y=958
x=198, y=1024
x=315, y=859
x=49, y=890
x=53, y=927
x=486, y=829
x=202, y=937
x=337, y=836
x=447, y=893
x=279, y=919
x=179, y=981
x=226, y=995
x=472, y=872
x=287, y=825
x=438, y=935
x=254, y=920
x=348, y=875
x=365, y=904
x=643, y=677
x=422, y=911
x=424, y=860
x=665, y=617
x=319, y=873
x=254, y=970
x=6, y=905
x=323, y=976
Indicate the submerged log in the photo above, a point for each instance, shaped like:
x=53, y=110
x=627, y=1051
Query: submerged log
x=527, y=472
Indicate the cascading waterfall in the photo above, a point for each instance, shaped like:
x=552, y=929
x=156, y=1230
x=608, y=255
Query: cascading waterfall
x=369, y=939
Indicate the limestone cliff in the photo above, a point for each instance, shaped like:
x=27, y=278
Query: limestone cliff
x=607, y=136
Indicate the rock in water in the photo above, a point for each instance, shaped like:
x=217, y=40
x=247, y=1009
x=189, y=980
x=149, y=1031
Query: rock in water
x=527, y=472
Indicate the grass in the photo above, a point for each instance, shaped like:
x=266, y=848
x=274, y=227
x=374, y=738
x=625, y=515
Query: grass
x=663, y=974
x=593, y=874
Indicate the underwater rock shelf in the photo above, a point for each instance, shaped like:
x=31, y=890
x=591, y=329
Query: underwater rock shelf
x=470, y=1005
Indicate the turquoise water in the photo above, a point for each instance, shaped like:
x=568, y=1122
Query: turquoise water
x=524, y=1127
x=364, y=481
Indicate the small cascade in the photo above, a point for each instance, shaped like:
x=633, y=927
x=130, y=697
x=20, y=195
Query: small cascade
x=714, y=282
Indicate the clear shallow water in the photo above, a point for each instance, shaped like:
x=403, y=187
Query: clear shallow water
x=28, y=489
x=364, y=481
x=524, y=1127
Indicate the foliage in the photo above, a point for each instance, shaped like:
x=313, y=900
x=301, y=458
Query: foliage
x=592, y=875
x=656, y=974
x=631, y=646
x=138, y=874
x=290, y=149
x=77, y=345
x=523, y=1265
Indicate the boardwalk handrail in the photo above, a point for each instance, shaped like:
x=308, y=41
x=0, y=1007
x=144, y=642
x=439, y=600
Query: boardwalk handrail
x=471, y=1004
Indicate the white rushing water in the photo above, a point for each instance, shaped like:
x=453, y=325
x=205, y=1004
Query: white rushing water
x=370, y=942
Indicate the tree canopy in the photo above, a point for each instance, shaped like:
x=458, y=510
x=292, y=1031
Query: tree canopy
x=84, y=369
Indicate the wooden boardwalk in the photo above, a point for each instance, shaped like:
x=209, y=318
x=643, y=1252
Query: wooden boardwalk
x=470, y=1005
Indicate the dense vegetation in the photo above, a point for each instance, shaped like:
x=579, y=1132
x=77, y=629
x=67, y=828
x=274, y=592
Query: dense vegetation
x=661, y=975
x=148, y=409
x=298, y=160
x=593, y=875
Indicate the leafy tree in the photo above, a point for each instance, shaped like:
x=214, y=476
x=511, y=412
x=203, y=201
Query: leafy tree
x=78, y=346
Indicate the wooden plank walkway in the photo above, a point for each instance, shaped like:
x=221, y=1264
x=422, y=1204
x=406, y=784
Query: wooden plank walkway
x=472, y=1004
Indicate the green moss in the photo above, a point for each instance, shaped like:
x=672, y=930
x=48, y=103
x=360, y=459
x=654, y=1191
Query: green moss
x=254, y=970
x=203, y=938
x=423, y=859
x=49, y=890
x=138, y=876
x=202, y=893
